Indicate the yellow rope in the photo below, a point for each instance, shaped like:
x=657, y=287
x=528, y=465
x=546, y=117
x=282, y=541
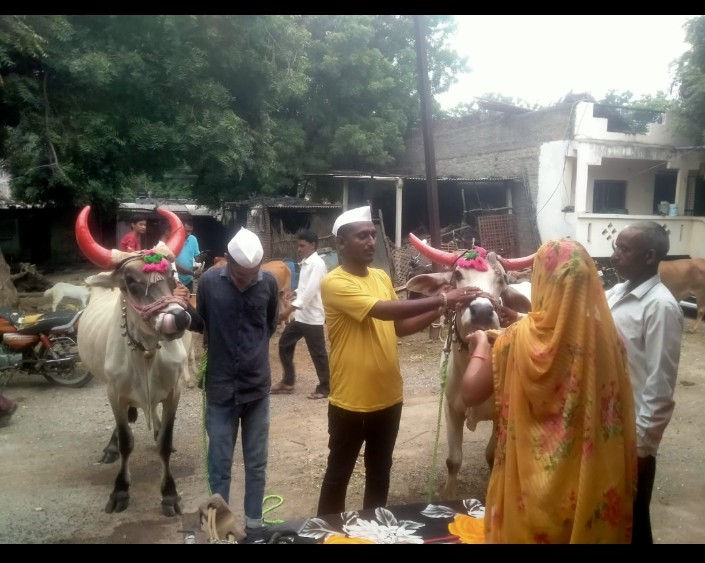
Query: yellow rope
x=213, y=536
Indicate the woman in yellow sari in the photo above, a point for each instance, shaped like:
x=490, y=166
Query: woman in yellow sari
x=565, y=464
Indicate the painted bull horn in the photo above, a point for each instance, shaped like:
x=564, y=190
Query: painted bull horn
x=435, y=255
x=178, y=233
x=514, y=264
x=101, y=257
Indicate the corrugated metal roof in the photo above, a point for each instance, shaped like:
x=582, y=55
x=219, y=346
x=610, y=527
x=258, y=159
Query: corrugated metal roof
x=462, y=179
x=188, y=207
x=368, y=176
x=283, y=202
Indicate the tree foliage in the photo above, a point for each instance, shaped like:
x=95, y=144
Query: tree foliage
x=99, y=108
x=690, y=72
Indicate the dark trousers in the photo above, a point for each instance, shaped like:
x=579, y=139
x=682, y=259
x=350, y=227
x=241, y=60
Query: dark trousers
x=316, y=341
x=347, y=430
x=641, y=533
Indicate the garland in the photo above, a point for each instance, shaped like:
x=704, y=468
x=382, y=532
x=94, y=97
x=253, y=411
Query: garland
x=155, y=262
x=475, y=259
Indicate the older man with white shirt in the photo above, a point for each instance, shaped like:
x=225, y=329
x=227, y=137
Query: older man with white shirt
x=651, y=321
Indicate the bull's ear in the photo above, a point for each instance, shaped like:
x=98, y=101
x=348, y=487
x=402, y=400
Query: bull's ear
x=104, y=279
x=516, y=300
x=430, y=284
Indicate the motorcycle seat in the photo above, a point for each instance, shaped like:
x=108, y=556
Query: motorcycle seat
x=47, y=321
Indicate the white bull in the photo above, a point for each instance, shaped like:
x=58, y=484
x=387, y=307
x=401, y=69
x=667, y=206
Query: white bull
x=131, y=338
x=481, y=314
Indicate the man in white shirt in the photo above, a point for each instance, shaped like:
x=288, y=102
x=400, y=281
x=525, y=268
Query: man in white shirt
x=651, y=321
x=308, y=322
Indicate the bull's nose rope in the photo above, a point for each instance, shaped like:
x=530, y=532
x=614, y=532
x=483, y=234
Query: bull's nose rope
x=145, y=313
x=131, y=341
x=496, y=305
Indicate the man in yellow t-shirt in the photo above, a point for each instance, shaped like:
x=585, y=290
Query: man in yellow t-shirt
x=364, y=319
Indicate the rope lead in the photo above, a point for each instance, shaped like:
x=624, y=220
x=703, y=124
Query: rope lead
x=444, y=372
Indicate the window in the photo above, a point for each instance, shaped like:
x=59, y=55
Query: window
x=609, y=196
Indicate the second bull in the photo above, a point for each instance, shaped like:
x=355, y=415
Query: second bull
x=487, y=271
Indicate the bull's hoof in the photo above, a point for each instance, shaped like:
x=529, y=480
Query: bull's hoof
x=118, y=501
x=109, y=456
x=170, y=506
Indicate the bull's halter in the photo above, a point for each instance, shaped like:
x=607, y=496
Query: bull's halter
x=457, y=337
x=474, y=259
x=146, y=312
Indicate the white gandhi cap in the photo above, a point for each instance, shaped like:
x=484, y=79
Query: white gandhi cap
x=356, y=215
x=246, y=248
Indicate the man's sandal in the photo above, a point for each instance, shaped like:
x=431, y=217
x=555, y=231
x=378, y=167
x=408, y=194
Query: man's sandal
x=317, y=395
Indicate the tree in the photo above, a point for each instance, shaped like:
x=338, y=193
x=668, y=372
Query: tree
x=363, y=94
x=119, y=98
x=223, y=107
x=8, y=291
x=690, y=81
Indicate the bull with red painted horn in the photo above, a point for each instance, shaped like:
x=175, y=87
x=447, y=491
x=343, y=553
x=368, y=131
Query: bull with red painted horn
x=131, y=338
x=483, y=274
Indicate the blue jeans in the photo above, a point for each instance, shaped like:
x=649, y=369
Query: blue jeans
x=222, y=423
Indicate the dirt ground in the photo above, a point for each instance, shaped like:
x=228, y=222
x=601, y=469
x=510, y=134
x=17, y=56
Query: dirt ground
x=53, y=490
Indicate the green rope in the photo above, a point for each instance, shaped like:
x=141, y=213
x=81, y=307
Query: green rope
x=269, y=509
x=432, y=478
x=201, y=382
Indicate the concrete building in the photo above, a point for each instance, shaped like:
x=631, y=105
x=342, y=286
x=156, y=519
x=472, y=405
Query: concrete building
x=585, y=171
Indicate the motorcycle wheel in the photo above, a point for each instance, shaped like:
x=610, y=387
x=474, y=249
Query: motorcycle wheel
x=69, y=374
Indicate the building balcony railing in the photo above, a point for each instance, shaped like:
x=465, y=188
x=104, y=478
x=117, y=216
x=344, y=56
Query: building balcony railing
x=597, y=232
x=628, y=120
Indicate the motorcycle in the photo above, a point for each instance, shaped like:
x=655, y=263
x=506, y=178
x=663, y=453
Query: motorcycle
x=43, y=343
x=608, y=274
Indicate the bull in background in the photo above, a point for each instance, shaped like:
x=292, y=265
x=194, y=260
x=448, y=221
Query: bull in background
x=480, y=314
x=131, y=338
x=684, y=278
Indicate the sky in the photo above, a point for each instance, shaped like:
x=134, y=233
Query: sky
x=540, y=59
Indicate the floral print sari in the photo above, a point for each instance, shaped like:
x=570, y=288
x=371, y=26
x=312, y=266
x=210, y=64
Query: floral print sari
x=565, y=463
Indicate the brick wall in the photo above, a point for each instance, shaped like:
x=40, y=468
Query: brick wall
x=492, y=146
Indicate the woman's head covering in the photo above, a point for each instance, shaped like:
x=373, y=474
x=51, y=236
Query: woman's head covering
x=567, y=430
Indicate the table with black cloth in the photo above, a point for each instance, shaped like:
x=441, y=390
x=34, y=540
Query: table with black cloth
x=437, y=522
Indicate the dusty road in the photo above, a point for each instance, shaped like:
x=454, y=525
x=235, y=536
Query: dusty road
x=52, y=490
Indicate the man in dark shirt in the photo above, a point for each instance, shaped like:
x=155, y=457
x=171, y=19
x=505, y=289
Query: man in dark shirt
x=237, y=311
